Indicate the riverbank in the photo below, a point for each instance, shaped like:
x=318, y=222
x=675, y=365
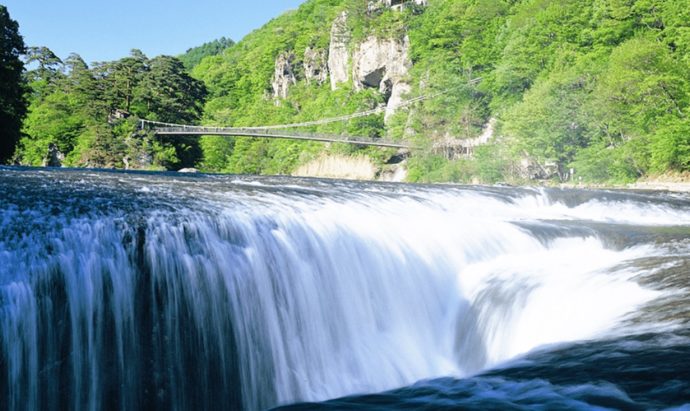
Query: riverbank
x=640, y=185
x=669, y=182
x=666, y=182
x=679, y=187
x=661, y=185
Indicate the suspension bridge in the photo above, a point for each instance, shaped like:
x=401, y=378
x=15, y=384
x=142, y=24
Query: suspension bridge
x=284, y=131
x=166, y=129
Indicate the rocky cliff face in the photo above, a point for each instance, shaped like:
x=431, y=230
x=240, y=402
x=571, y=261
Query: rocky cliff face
x=398, y=95
x=315, y=66
x=377, y=5
x=383, y=64
x=338, y=54
x=284, y=75
x=377, y=63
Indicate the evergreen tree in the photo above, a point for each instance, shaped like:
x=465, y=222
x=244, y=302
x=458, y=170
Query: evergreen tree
x=170, y=94
x=193, y=56
x=122, y=79
x=12, y=85
x=49, y=64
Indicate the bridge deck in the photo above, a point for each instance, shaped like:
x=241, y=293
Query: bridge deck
x=242, y=132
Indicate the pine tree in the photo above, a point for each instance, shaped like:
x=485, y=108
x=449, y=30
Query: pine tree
x=12, y=85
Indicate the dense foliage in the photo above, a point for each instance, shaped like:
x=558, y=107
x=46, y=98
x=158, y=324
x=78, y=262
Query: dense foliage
x=598, y=87
x=193, y=56
x=90, y=115
x=239, y=83
x=12, y=87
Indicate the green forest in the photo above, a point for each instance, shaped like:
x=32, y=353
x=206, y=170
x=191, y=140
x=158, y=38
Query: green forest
x=600, y=88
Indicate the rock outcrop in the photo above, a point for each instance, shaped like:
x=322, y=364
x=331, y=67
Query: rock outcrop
x=284, y=75
x=396, y=173
x=315, y=66
x=482, y=139
x=398, y=93
x=375, y=63
x=377, y=5
x=54, y=157
x=377, y=60
x=338, y=55
x=189, y=170
x=454, y=148
x=383, y=64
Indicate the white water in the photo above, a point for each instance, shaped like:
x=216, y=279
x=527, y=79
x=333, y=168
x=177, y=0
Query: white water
x=305, y=297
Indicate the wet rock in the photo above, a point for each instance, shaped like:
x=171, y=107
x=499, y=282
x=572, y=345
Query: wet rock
x=394, y=172
x=190, y=170
x=54, y=157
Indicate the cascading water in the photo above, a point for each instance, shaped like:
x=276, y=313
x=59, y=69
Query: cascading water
x=139, y=291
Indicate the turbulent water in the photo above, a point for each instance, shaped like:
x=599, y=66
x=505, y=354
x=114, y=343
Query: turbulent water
x=143, y=291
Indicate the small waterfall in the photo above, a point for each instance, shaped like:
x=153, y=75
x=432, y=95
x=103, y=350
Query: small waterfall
x=186, y=295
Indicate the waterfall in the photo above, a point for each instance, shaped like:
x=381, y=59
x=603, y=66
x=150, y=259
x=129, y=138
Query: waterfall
x=140, y=292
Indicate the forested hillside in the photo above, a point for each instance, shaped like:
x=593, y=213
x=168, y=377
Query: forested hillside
x=87, y=116
x=599, y=87
x=241, y=93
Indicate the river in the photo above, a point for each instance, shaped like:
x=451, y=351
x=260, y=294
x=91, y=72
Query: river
x=138, y=291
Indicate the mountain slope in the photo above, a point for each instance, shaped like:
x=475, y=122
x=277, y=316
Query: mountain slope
x=599, y=86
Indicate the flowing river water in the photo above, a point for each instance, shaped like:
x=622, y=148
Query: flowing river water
x=140, y=291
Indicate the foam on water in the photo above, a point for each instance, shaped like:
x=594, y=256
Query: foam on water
x=193, y=288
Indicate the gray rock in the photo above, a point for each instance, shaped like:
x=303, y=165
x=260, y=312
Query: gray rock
x=338, y=54
x=54, y=157
x=315, y=66
x=378, y=5
x=284, y=75
x=190, y=170
x=383, y=64
x=398, y=94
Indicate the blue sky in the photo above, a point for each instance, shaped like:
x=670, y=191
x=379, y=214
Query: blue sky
x=101, y=30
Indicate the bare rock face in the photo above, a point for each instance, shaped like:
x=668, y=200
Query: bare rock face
x=396, y=173
x=398, y=93
x=380, y=61
x=374, y=6
x=315, y=66
x=383, y=64
x=377, y=5
x=284, y=75
x=338, y=55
